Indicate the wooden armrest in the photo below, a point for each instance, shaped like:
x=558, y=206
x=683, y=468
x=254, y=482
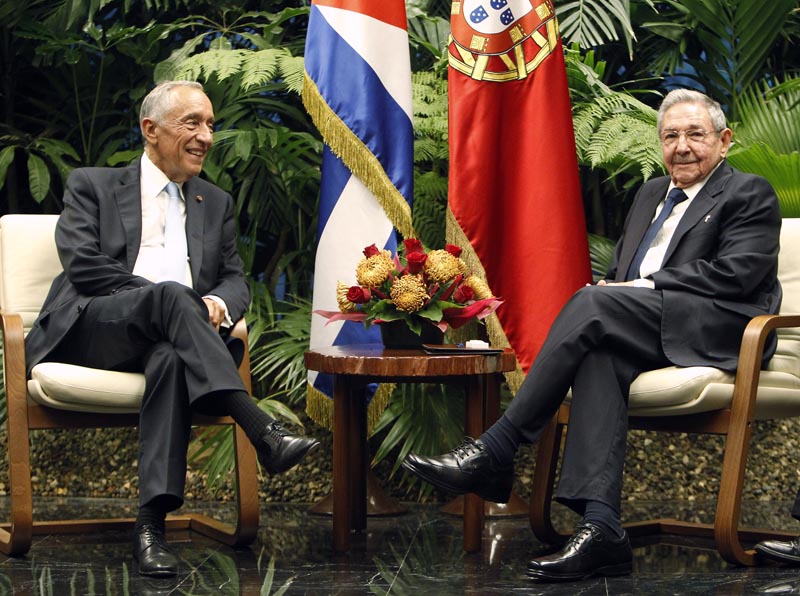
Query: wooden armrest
x=14, y=358
x=751, y=354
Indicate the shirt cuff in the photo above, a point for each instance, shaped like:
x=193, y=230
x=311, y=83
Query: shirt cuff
x=644, y=283
x=227, y=322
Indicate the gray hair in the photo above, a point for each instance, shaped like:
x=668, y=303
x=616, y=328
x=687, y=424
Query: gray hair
x=677, y=96
x=158, y=102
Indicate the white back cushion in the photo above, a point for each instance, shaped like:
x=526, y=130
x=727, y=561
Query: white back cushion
x=28, y=263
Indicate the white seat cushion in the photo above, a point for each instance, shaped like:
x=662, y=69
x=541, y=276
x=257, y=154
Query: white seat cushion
x=674, y=391
x=70, y=387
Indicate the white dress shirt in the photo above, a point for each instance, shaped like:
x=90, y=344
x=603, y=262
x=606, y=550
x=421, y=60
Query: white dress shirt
x=654, y=258
x=154, y=213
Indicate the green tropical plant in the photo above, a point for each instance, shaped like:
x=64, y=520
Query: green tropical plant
x=723, y=45
x=420, y=418
x=767, y=139
x=279, y=356
x=431, y=154
x=601, y=253
x=590, y=23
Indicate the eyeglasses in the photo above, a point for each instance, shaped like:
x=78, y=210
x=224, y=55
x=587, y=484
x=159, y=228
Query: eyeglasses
x=695, y=136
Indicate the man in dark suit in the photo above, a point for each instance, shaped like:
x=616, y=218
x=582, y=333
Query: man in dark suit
x=152, y=282
x=697, y=260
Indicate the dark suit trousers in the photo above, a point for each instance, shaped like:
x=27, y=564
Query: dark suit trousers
x=163, y=331
x=600, y=341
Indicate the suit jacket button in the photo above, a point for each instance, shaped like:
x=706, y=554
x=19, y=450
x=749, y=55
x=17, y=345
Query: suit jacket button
x=80, y=308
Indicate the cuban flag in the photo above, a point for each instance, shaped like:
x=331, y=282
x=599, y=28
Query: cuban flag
x=357, y=90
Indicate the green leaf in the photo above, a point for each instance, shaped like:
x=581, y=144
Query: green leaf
x=6, y=157
x=243, y=144
x=38, y=177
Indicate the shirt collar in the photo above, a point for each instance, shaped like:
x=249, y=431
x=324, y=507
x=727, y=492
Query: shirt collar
x=691, y=191
x=153, y=180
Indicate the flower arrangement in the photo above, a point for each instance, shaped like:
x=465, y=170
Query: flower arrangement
x=414, y=286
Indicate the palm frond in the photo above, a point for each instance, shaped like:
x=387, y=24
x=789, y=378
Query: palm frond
x=592, y=23
x=278, y=357
x=601, y=252
x=770, y=114
x=780, y=169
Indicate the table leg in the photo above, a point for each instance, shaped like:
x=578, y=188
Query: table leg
x=342, y=454
x=474, y=426
x=349, y=460
x=358, y=456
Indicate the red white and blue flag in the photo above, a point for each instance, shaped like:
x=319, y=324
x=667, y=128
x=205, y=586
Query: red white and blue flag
x=357, y=90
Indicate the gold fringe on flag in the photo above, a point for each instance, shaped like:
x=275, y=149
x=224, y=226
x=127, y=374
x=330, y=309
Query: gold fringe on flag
x=319, y=406
x=497, y=337
x=357, y=157
x=362, y=162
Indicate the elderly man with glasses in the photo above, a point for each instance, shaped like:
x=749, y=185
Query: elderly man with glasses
x=698, y=258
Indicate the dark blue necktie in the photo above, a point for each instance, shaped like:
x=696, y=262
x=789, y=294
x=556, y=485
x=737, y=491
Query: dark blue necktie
x=675, y=196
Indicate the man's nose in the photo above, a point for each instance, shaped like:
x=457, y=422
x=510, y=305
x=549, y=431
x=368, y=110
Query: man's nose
x=206, y=134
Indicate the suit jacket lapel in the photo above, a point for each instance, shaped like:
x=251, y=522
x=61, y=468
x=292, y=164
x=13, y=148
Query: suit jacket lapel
x=129, y=204
x=637, y=226
x=195, y=222
x=702, y=203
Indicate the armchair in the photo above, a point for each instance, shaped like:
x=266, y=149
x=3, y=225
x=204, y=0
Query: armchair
x=62, y=396
x=711, y=401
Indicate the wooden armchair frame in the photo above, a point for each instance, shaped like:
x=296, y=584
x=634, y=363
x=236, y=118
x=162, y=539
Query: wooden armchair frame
x=24, y=415
x=735, y=422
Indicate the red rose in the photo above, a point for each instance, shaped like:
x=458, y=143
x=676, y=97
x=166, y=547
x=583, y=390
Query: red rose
x=371, y=251
x=464, y=294
x=453, y=250
x=415, y=262
x=413, y=245
x=358, y=295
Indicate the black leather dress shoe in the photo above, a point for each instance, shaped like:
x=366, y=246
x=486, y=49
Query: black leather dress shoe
x=278, y=450
x=777, y=550
x=151, y=550
x=588, y=552
x=781, y=586
x=466, y=469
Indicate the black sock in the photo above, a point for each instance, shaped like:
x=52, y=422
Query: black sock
x=605, y=516
x=151, y=514
x=502, y=440
x=241, y=407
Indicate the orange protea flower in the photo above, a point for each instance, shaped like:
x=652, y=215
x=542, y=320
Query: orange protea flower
x=442, y=266
x=341, y=297
x=373, y=271
x=480, y=287
x=408, y=293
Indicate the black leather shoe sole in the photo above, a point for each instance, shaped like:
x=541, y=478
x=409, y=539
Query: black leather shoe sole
x=495, y=492
x=608, y=570
x=777, y=555
x=159, y=573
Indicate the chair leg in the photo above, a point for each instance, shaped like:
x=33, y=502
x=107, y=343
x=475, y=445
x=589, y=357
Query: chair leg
x=729, y=500
x=247, y=505
x=16, y=539
x=547, y=452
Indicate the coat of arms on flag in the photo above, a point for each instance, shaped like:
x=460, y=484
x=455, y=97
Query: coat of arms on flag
x=499, y=40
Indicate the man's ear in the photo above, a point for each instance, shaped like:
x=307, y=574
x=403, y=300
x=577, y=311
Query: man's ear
x=148, y=127
x=726, y=136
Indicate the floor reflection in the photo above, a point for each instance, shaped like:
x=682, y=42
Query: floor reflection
x=416, y=553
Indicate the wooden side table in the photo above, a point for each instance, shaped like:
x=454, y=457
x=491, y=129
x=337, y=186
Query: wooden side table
x=355, y=366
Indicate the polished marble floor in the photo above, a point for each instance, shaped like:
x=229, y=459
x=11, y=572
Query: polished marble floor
x=417, y=553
